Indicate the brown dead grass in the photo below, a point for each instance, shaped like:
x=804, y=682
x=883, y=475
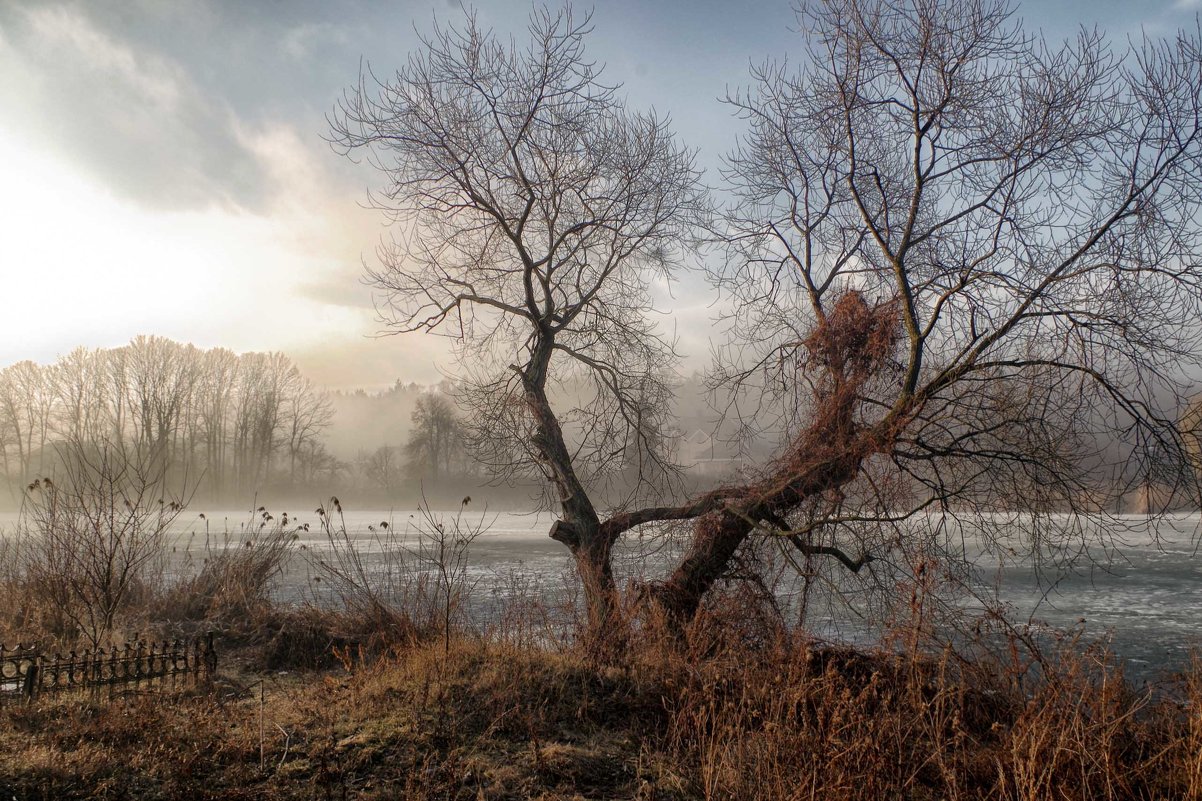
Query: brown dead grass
x=365, y=703
x=685, y=720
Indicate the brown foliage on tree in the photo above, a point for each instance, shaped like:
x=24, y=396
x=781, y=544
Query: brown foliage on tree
x=956, y=257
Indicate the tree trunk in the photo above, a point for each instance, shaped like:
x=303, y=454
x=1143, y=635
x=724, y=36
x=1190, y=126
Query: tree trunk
x=580, y=527
x=825, y=459
x=592, y=553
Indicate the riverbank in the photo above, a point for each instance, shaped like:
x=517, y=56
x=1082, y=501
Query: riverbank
x=711, y=716
x=410, y=678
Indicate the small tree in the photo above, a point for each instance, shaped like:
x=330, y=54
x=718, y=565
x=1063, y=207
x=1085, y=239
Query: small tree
x=382, y=467
x=93, y=535
x=435, y=443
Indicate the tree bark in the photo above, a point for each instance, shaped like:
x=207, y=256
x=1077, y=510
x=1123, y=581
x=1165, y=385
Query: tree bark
x=580, y=527
x=718, y=534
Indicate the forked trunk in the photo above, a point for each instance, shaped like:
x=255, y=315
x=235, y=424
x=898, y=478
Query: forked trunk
x=718, y=534
x=852, y=344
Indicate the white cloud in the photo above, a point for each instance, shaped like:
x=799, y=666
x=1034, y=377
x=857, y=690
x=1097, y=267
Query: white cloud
x=130, y=116
x=155, y=79
x=85, y=267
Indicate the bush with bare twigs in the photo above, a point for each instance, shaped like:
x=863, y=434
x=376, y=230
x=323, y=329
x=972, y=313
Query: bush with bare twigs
x=415, y=583
x=232, y=588
x=91, y=540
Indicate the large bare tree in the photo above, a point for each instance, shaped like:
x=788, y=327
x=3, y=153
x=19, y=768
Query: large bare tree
x=956, y=255
x=535, y=210
x=958, y=258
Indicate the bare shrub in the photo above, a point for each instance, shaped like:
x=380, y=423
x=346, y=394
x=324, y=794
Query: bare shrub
x=17, y=614
x=534, y=612
x=442, y=554
x=233, y=586
x=92, y=539
x=1179, y=763
x=415, y=581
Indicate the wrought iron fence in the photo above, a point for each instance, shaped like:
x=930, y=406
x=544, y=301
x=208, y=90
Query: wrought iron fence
x=26, y=671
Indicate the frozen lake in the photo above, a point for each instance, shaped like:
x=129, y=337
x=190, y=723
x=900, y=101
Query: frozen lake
x=1144, y=587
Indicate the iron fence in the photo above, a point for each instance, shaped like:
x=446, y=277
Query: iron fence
x=26, y=671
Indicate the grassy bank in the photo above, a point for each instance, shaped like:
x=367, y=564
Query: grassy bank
x=389, y=690
x=701, y=718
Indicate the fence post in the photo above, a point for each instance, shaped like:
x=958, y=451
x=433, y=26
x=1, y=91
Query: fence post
x=31, y=680
x=95, y=670
x=210, y=656
x=139, y=660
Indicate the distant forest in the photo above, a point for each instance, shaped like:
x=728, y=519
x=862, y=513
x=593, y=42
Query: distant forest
x=229, y=428
x=216, y=423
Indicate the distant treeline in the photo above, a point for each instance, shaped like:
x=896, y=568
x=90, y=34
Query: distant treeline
x=228, y=427
x=221, y=423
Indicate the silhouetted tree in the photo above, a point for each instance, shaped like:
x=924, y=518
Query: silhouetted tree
x=435, y=443
x=542, y=208
x=954, y=254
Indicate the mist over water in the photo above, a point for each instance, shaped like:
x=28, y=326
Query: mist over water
x=1143, y=590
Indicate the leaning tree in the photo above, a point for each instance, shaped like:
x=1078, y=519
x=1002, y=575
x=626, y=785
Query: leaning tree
x=961, y=264
x=955, y=257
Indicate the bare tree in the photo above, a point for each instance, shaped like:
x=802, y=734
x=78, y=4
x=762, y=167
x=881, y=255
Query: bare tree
x=213, y=416
x=26, y=413
x=956, y=255
x=382, y=467
x=92, y=534
x=162, y=377
x=266, y=381
x=537, y=209
x=959, y=257
x=307, y=413
x=191, y=412
x=436, y=439
x=317, y=467
x=79, y=385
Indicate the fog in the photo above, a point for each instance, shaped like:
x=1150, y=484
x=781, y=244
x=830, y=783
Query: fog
x=237, y=429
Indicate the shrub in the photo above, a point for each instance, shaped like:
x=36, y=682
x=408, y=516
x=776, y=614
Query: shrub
x=92, y=538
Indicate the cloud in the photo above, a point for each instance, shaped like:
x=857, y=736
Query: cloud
x=341, y=286
x=314, y=203
x=300, y=41
x=131, y=117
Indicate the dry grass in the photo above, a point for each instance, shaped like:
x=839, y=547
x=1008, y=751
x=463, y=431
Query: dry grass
x=231, y=588
x=376, y=700
x=691, y=719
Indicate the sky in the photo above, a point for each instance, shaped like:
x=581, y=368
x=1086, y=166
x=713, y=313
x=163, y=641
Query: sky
x=163, y=168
